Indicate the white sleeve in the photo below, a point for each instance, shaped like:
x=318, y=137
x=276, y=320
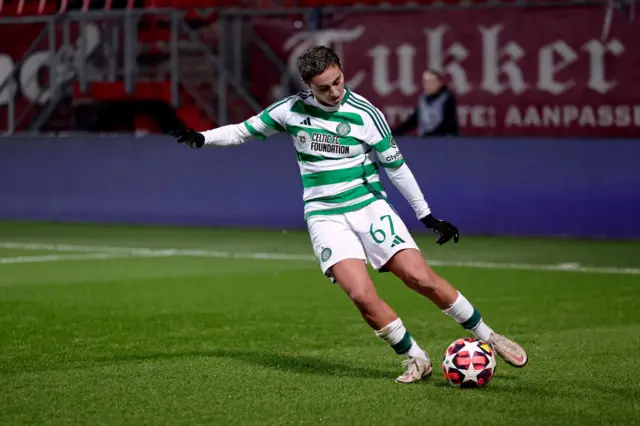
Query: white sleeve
x=388, y=153
x=231, y=135
x=261, y=126
x=406, y=183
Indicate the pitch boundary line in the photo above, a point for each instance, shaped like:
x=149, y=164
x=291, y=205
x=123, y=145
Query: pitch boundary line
x=55, y=258
x=77, y=256
x=93, y=252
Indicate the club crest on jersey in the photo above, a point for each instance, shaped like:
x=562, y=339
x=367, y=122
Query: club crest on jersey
x=326, y=254
x=343, y=129
x=392, y=142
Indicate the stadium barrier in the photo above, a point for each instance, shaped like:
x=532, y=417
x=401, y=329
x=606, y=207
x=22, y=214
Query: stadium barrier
x=507, y=186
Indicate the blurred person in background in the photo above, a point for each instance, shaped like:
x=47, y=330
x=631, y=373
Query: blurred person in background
x=435, y=113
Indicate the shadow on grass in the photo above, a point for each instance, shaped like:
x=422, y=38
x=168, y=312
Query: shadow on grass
x=300, y=364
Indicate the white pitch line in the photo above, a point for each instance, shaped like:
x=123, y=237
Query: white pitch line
x=52, y=258
x=145, y=251
x=67, y=257
x=110, y=252
x=64, y=247
x=562, y=267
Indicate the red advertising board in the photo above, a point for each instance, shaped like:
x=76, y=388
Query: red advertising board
x=515, y=71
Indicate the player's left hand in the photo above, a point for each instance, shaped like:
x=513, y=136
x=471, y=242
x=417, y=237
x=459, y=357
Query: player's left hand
x=444, y=229
x=189, y=137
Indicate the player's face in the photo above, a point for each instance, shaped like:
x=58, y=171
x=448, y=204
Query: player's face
x=431, y=83
x=328, y=87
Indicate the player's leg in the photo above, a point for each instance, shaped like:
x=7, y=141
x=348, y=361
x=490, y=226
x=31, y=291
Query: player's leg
x=342, y=258
x=409, y=265
x=353, y=277
x=390, y=247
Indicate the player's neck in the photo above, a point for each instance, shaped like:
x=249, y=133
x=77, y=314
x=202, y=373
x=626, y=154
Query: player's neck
x=328, y=107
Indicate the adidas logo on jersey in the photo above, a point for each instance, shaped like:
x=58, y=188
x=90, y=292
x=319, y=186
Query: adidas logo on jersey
x=306, y=121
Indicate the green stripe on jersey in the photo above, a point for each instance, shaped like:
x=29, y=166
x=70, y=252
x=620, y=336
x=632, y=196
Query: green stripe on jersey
x=340, y=210
x=382, y=121
x=310, y=158
x=351, y=194
x=369, y=113
x=384, y=144
x=344, y=140
x=347, y=94
x=269, y=122
x=330, y=177
x=339, y=117
x=253, y=131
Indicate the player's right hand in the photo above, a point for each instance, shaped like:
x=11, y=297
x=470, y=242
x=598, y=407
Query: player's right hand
x=189, y=137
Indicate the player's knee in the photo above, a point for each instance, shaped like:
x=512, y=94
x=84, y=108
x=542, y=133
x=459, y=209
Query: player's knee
x=422, y=278
x=364, y=298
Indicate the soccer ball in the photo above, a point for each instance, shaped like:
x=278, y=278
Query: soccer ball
x=469, y=363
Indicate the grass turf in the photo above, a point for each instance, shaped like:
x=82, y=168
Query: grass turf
x=188, y=340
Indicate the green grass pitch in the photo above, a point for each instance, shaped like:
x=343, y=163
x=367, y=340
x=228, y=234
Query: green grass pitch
x=94, y=333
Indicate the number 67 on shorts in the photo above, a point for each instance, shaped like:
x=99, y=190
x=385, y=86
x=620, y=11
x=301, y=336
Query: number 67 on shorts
x=374, y=234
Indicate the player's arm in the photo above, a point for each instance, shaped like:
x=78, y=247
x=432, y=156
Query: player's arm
x=391, y=159
x=259, y=126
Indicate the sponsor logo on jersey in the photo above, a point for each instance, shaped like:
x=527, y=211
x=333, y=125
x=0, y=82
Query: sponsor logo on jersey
x=324, y=138
x=396, y=156
x=322, y=142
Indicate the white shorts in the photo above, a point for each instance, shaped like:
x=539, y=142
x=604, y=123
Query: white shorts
x=374, y=232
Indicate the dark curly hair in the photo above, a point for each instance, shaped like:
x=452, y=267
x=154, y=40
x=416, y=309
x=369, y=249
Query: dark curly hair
x=315, y=61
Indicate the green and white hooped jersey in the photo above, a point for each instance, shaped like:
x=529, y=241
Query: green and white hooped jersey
x=336, y=148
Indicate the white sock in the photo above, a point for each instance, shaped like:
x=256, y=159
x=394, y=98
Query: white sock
x=416, y=351
x=463, y=312
x=482, y=331
x=397, y=336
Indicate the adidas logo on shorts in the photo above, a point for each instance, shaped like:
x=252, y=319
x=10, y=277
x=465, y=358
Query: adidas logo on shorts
x=396, y=241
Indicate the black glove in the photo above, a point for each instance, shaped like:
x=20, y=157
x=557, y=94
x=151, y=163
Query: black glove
x=444, y=229
x=190, y=137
